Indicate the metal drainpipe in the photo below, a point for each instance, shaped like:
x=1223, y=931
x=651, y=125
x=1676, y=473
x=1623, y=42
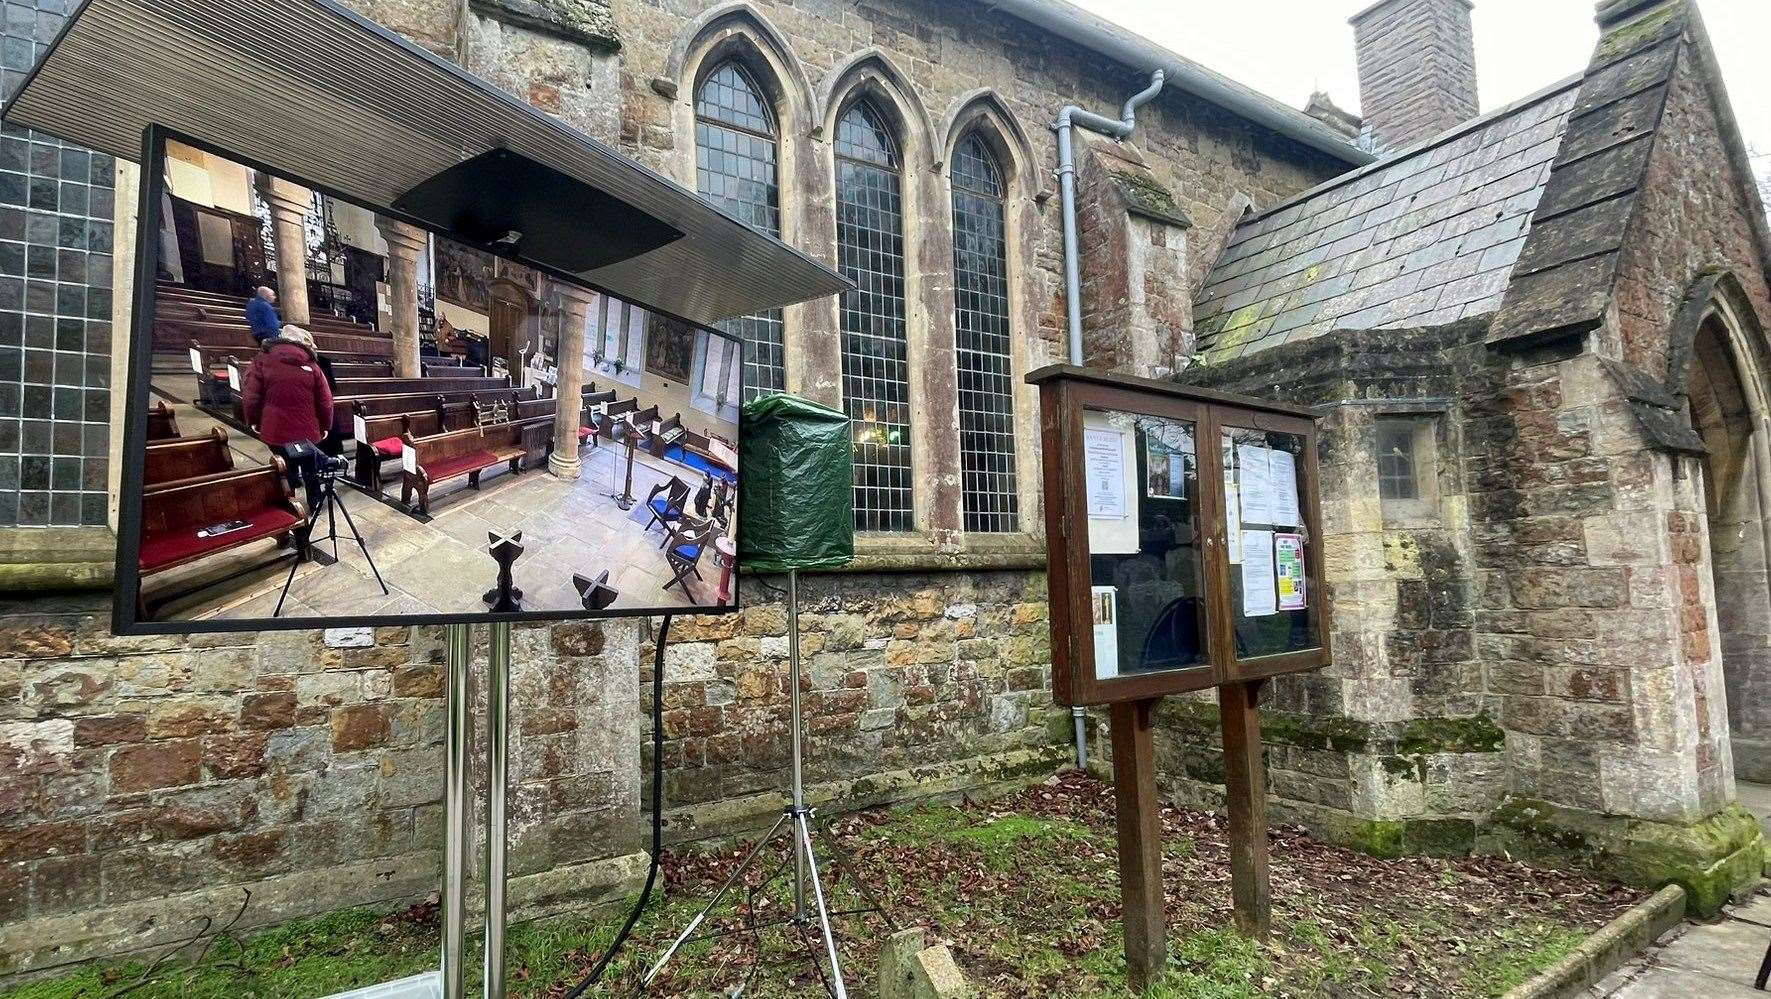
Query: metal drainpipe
x=1068, y=120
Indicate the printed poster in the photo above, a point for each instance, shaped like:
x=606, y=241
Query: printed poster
x=1283, y=479
x=1257, y=484
x=1104, y=458
x=1112, y=490
x=1165, y=470
x=1258, y=593
x=1288, y=555
x=1105, y=604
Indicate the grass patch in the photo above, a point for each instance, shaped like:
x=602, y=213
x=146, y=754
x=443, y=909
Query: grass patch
x=1026, y=893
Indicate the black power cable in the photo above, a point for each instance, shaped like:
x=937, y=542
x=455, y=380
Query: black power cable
x=639, y=907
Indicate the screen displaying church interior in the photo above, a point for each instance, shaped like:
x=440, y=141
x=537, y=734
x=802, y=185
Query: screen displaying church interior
x=322, y=373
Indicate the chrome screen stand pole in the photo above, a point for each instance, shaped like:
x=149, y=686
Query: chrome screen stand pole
x=456, y=792
x=497, y=827
x=799, y=786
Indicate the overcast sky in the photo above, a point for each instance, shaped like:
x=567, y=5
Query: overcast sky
x=1289, y=48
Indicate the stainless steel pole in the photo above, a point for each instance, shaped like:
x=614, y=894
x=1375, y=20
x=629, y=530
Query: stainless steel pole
x=456, y=792
x=799, y=788
x=497, y=779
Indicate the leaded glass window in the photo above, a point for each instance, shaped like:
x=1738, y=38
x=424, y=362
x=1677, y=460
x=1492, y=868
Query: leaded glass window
x=981, y=330
x=875, y=349
x=1397, y=476
x=735, y=158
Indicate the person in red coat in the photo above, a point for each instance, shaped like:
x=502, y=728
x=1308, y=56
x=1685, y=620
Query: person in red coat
x=288, y=403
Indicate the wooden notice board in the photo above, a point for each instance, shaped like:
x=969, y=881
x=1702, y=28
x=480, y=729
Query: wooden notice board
x=1185, y=554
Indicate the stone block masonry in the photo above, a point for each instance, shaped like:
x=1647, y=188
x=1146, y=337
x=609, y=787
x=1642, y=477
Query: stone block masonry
x=148, y=783
x=913, y=685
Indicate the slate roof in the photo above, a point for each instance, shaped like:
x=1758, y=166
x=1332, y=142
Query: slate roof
x=1429, y=235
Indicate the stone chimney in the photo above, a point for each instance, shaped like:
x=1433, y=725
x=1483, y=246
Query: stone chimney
x=1417, y=68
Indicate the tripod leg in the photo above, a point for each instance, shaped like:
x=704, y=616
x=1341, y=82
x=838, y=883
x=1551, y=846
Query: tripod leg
x=303, y=542
x=332, y=522
x=804, y=841
x=713, y=902
x=348, y=522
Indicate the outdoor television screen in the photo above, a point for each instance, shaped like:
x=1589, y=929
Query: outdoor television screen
x=341, y=416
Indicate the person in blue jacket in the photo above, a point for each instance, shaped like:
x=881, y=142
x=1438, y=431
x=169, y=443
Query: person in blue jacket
x=261, y=314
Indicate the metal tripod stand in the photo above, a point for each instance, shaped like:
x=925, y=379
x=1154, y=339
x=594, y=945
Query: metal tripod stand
x=794, y=823
x=331, y=504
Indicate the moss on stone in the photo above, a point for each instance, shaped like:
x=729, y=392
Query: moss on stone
x=1711, y=859
x=590, y=22
x=1197, y=721
x=1144, y=196
x=1451, y=735
x=1639, y=33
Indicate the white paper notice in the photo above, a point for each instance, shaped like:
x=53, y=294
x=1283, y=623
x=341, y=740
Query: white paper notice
x=1233, y=518
x=361, y=428
x=1257, y=484
x=1105, y=467
x=1259, y=598
x=409, y=459
x=1105, y=604
x=1284, y=468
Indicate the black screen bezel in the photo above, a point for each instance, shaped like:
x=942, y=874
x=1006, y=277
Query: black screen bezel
x=139, y=397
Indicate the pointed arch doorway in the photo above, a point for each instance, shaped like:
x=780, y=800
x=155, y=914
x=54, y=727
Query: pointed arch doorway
x=1727, y=395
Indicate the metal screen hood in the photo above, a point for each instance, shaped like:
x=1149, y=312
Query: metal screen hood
x=313, y=90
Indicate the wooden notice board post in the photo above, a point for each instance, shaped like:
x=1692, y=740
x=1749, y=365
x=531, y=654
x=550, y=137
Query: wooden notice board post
x=1184, y=534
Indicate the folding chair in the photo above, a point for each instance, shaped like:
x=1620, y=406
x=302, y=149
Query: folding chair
x=668, y=508
x=683, y=547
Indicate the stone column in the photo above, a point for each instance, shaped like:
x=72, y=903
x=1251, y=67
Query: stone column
x=569, y=385
x=289, y=205
x=405, y=244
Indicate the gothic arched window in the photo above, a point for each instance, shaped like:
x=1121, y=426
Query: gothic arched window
x=735, y=160
x=875, y=347
x=981, y=332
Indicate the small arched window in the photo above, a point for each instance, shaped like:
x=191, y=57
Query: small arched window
x=875, y=348
x=981, y=331
x=735, y=158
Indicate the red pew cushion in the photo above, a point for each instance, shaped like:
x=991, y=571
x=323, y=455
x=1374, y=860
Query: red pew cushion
x=388, y=447
x=166, y=550
x=450, y=467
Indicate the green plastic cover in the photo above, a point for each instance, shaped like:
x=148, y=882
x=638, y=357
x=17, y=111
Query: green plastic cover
x=796, y=488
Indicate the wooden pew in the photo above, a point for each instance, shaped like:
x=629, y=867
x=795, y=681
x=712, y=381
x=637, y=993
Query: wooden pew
x=696, y=451
x=195, y=303
x=396, y=386
x=176, y=334
x=427, y=461
x=379, y=438
x=611, y=413
x=344, y=407
x=162, y=424
x=187, y=457
x=174, y=513
x=543, y=411
x=666, y=435
x=213, y=358
x=362, y=369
